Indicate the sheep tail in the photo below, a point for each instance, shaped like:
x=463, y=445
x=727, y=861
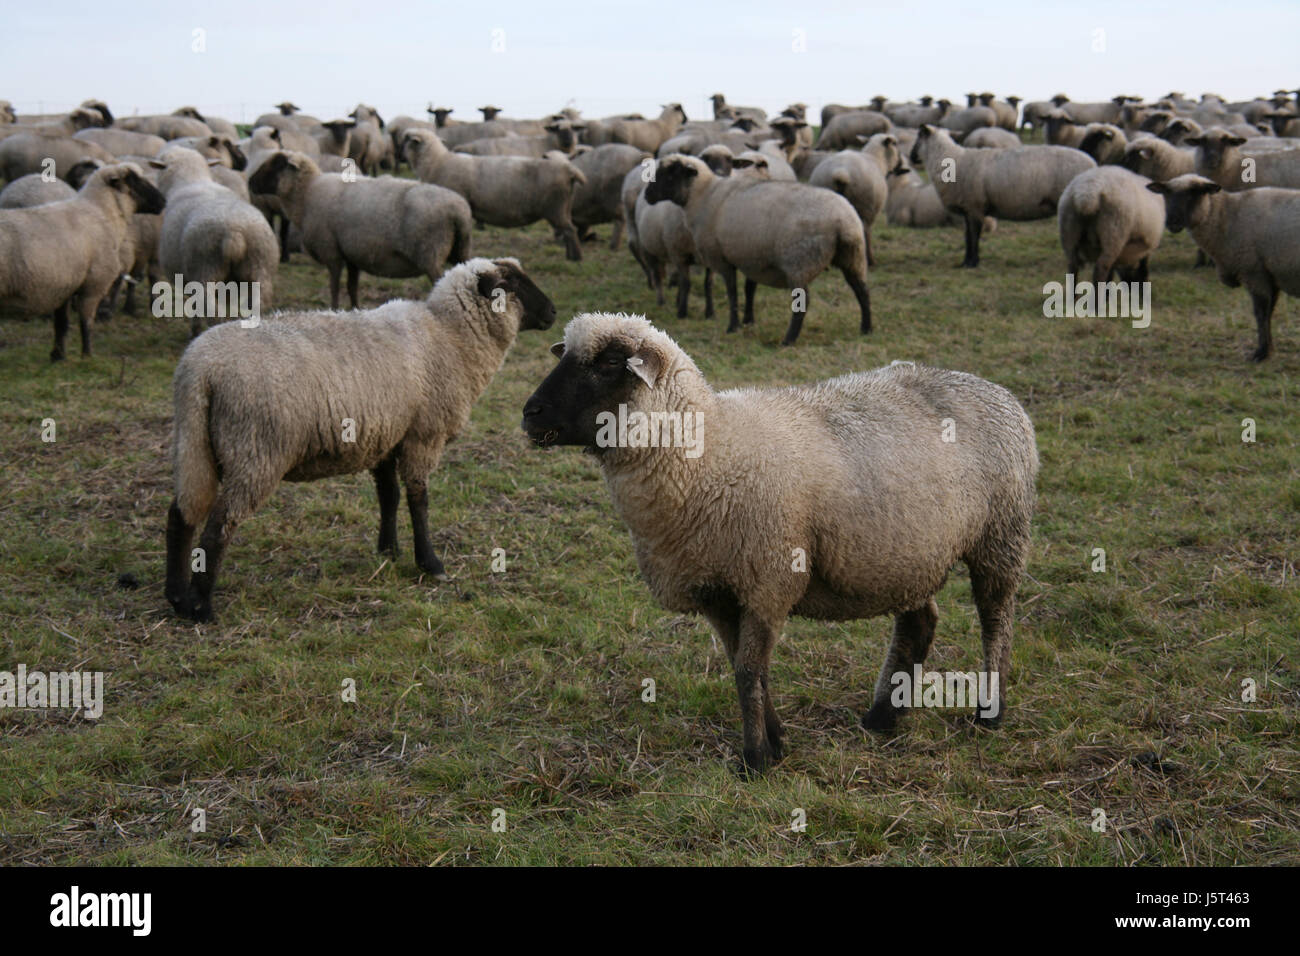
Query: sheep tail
x=460, y=246
x=194, y=463
x=1087, y=198
x=233, y=246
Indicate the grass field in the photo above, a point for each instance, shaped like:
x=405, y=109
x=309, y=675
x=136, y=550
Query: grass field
x=521, y=691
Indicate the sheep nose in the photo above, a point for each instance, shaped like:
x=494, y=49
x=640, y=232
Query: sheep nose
x=533, y=408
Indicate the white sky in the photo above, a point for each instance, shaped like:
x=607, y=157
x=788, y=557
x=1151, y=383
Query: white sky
x=612, y=56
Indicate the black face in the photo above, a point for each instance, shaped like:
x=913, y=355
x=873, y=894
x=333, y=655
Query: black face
x=1184, y=206
x=80, y=172
x=914, y=154
x=539, y=310
x=563, y=410
x=266, y=180
x=672, y=182
x=237, y=158
x=1093, y=141
x=147, y=197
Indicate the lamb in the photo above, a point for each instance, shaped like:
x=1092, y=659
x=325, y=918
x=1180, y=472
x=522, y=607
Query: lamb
x=210, y=235
x=843, y=131
x=386, y=226
x=648, y=135
x=121, y=142
x=53, y=253
x=31, y=152
x=600, y=198
x=991, y=137
x=859, y=176
x=1157, y=160
x=1252, y=236
x=1017, y=184
x=833, y=501
x=780, y=234
x=35, y=190
x=1104, y=142
x=308, y=395
x=502, y=190
x=1219, y=158
x=1108, y=217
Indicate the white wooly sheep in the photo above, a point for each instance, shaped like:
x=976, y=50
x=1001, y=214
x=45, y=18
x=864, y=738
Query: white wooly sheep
x=859, y=176
x=1253, y=237
x=1223, y=157
x=848, y=498
x=307, y=395
x=1108, y=217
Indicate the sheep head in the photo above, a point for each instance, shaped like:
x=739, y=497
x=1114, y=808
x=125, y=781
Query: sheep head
x=137, y=193
x=1214, y=144
x=1187, y=200
x=675, y=178
x=502, y=280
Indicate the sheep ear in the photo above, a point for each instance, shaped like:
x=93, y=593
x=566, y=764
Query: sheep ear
x=1208, y=188
x=645, y=365
x=157, y=165
x=1235, y=140
x=558, y=350
x=1160, y=188
x=1197, y=141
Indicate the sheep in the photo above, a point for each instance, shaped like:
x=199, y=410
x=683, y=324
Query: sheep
x=1017, y=184
x=1253, y=238
x=991, y=137
x=721, y=109
x=916, y=116
x=859, y=176
x=121, y=142
x=915, y=203
x=1085, y=113
x=1108, y=217
x=51, y=253
x=35, y=190
x=66, y=124
x=1157, y=160
x=386, y=226
x=31, y=152
x=333, y=138
x=778, y=168
x=1034, y=113
x=664, y=238
x=307, y=395
x=1104, y=142
x=1061, y=129
x=502, y=190
x=7, y=114
x=832, y=110
x=221, y=148
x=168, y=127
x=264, y=143
x=560, y=135
x=367, y=147
x=210, y=235
x=1219, y=158
x=844, y=130
x=1008, y=110
x=961, y=122
x=647, y=134
x=840, y=500
x=519, y=127
x=600, y=198
x=780, y=234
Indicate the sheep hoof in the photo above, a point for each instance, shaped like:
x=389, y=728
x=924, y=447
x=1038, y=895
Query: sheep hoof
x=56, y=355
x=881, y=718
x=1259, y=355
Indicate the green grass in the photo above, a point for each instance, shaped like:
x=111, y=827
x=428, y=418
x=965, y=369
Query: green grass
x=522, y=690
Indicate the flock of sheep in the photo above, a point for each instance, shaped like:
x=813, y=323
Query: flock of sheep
x=95, y=204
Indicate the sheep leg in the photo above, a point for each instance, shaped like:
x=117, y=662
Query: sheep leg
x=180, y=536
x=284, y=242
x=750, y=287
x=216, y=536
x=1101, y=273
x=729, y=280
x=58, y=353
x=354, y=274
x=1264, y=303
x=336, y=270
x=995, y=599
x=683, y=289
x=657, y=271
x=913, y=635
x=572, y=248
x=104, y=312
x=798, y=305
x=860, y=292
x=753, y=654
x=617, y=232
x=417, y=501
x=974, y=226
x=871, y=255
x=86, y=315
x=390, y=495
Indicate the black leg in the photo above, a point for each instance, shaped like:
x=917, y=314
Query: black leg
x=180, y=536
x=335, y=270
x=708, y=294
x=1264, y=305
x=58, y=353
x=417, y=500
x=284, y=242
x=354, y=274
x=683, y=289
x=389, y=494
x=860, y=292
x=729, y=279
x=750, y=287
x=216, y=536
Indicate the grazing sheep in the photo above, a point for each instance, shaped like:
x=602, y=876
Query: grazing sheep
x=600, y=198
x=1220, y=158
x=1017, y=184
x=844, y=130
x=30, y=152
x=35, y=190
x=53, y=253
x=502, y=190
x=779, y=234
x=385, y=227
x=1253, y=237
x=257, y=406
x=1108, y=217
x=210, y=235
x=1104, y=142
x=648, y=135
x=991, y=137
x=1157, y=160
x=833, y=501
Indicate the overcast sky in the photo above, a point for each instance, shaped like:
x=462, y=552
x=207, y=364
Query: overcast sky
x=609, y=56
